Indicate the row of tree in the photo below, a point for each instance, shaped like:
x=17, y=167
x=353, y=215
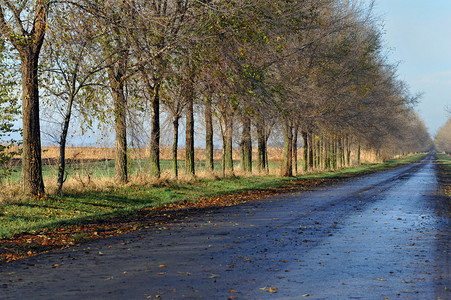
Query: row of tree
x=315, y=69
x=442, y=139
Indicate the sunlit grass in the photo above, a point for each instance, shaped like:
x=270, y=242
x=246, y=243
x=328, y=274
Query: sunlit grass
x=102, y=198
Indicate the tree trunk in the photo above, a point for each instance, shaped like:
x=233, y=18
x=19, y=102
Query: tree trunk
x=287, y=168
x=33, y=182
x=63, y=140
x=310, y=150
x=333, y=158
x=336, y=154
x=175, y=145
x=358, y=155
x=323, y=154
x=120, y=111
x=267, y=133
x=261, y=141
x=228, y=139
x=189, y=144
x=155, y=133
x=246, y=146
x=305, y=147
x=342, y=150
x=318, y=153
x=209, y=163
x=348, y=151
x=295, y=149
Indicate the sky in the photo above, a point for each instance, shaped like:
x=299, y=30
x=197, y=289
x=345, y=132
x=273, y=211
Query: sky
x=417, y=35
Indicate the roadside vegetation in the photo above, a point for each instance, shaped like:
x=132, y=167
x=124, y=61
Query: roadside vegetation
x=444, y=161
x=442, y=139
x=442, y=142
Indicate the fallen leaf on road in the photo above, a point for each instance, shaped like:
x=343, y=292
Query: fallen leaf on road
x=269, y=289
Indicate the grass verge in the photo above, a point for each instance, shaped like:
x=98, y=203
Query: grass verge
x=444, y=163
x=34, y=225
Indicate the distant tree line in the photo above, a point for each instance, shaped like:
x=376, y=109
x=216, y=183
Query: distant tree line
x=315, y=69
x=442, y=139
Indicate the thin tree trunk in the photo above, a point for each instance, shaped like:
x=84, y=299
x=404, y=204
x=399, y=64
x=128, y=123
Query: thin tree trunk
x=336, y=153
x=310, y=151
x=155, y=133
x=358, y=155
x=175, y=145
x=209, y=163
x=189, y=144
x=287, y=168
x=343, y=154
x=33, y=182
x=63, y=139
x=261, y=148
x=228, y=154
x=295, y=149
x=246, y=146
x=120, y=166
x=267, y=133
x=223, y=155
x=305, y=147
x=318, y=154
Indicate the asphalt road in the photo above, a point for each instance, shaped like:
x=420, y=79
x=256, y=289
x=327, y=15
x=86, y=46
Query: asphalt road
x=382, y=236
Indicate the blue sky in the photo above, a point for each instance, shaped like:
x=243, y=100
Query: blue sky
x=418, y=36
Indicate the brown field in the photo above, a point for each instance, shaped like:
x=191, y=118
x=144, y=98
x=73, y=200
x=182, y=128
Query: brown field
x=93, y=153
x=86, y=154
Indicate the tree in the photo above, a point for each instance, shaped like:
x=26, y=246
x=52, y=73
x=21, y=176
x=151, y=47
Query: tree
x=70, y=76
x=24, y=24
x=188, y=94
x=442, y=139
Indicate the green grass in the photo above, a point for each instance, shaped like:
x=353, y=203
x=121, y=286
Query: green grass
x=33, y=214
x=445, y=161
x=101, y=169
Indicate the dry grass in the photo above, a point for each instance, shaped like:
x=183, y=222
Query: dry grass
x=94, y=153
x=11, y=192
x=100, y=153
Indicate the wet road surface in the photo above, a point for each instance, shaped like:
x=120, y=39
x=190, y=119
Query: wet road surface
x=382, y=236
